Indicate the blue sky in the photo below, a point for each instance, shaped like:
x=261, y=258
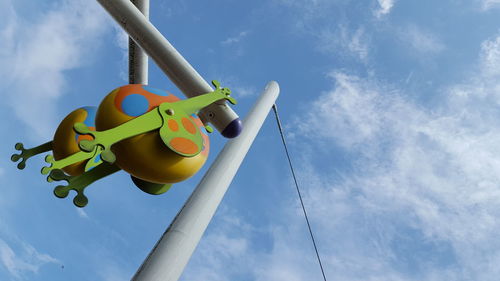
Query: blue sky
x=391, y=109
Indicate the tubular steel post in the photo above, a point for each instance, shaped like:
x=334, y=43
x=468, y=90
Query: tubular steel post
x=137, y=58
x=167, y=259
x=171, y=62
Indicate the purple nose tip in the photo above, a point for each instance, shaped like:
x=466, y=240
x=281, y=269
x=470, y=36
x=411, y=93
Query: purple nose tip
x=233, y=129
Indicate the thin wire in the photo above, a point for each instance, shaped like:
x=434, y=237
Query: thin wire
x=275, y=109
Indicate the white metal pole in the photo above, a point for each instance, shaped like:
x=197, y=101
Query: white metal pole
x=167, y=259
x=171, y=62
x=138, y=59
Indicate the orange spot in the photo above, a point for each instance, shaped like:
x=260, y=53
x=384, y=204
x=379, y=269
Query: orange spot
x=154, y=100
x=172, y=124
x=183, y=145
x=84, y=137
x=188, y=125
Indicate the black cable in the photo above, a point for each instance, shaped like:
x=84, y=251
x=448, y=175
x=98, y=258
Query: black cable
x=275, y=109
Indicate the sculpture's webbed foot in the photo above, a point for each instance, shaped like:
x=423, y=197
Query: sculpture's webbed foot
x=79, y=183
x=99, y=141
x=48, y=159
x=225, y=91
x=62, y=191
x=27, y=153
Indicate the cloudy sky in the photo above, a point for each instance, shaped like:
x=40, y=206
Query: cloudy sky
x=391, y=111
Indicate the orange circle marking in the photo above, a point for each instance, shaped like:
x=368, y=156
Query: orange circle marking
x=172, y=124
x=84, y=137
x=184, y=145
x=188, y=125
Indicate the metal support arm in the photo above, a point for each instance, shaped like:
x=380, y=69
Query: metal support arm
x=172, y=63
x=172, y=252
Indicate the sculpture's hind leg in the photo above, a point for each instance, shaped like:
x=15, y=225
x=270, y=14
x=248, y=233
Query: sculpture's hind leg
x=79, y=183
x=28, y=153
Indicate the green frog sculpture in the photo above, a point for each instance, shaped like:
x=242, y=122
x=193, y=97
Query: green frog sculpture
x=153, y=135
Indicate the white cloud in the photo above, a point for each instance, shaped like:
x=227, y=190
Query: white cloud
x=81, y=213
x=323, y=20
x=425, y=193
x=312, y=9
x=242, y=91
x=490, y=56
x=27, y=260
x=385, y=7
x=226, y=244
x=420, y=202
x=37, y=51
x=110, y=271
x=489, y=4
x=235, y=39
x=353, y=43
x=234, y=42
x=358, y=44
x=420, y=40
x=289, y=258
x=121, y=40
x=348, y=125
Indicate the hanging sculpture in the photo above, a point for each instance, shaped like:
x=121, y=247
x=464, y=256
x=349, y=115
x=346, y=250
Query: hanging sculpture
x=154, y=136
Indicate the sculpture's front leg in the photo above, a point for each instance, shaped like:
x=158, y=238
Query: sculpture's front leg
x=105, y=139
x=193, y=105
x=72, y=159
x=102, y=142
